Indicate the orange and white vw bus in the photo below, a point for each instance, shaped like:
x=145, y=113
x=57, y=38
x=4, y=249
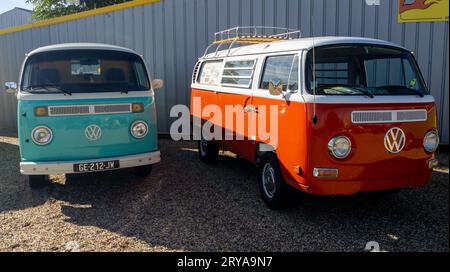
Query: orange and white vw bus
x=352, y=114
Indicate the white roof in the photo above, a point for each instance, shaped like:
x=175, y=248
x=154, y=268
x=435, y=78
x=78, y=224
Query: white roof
x=72, y=46
x=297, y=44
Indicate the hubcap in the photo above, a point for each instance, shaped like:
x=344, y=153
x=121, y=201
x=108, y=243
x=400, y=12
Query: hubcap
x=268, y=178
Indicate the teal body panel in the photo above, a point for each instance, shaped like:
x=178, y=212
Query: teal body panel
x=69, y=141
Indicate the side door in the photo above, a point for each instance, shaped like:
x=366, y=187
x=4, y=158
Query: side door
x=275, y=98
x=235, y=100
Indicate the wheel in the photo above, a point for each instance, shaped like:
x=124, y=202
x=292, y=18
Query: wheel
x=207, y=151
x=37, y=182
x=143, y=171
x=274, y=191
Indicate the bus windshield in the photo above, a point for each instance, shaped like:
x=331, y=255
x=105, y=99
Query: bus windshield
x=84, y=71
x=363, y=70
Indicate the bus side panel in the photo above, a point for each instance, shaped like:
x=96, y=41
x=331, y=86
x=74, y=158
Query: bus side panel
x=244, y=148
x=237, y=123
x=201, y=99
x=291, y=132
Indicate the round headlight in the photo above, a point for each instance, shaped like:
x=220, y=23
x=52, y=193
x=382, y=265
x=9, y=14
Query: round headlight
x=431, y=141
x=41, y=135
x=139, y=129
x=340, y=147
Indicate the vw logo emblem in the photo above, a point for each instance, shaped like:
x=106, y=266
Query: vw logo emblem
x=93, y=132
x=394, y=140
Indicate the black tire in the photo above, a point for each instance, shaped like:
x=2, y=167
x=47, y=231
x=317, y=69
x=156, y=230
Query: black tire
x=274, y=190
x=207, y=151
x=143, y=171
x=38, y=182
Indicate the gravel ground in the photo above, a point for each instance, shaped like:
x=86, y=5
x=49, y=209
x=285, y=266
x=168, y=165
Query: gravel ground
x=188, y=206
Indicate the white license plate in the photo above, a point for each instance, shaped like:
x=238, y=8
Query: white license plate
x=95, y=166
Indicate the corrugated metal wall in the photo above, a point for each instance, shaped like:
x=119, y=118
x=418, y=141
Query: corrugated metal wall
x=171, y=35
x=15, y=17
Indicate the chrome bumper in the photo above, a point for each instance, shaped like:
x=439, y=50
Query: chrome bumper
x=66, y=167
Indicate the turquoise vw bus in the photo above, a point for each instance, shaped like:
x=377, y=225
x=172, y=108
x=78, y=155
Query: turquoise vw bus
x=85, y=108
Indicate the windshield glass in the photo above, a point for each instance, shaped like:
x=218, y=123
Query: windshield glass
x=83, y=71
x=363, y=70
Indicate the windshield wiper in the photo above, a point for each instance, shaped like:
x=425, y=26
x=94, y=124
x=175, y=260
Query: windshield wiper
x=419, y=93
x=399, y=87
x=369, y=94
x=46, y=87
x=133, y=90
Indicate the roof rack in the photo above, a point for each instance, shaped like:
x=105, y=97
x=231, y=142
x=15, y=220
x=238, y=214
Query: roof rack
x=251, y=35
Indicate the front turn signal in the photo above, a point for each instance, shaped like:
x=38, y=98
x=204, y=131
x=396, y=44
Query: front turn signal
x=325, y=173
x=137, y=107
x=40, y=111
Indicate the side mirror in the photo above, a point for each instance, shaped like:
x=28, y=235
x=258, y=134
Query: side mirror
x=11, y=87
x=157, y=83
x=275, y=87
x=293, y=88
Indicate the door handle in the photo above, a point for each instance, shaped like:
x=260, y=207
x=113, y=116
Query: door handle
x=251, y=109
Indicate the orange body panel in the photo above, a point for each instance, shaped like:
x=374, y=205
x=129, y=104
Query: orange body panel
x=244, y=148
x=292, y=138
x=303, y=145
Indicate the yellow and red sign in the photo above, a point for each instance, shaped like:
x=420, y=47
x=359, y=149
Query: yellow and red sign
x=423, y=11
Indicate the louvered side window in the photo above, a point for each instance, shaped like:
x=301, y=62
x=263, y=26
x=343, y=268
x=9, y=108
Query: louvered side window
x=195, y=72
x=238, y=73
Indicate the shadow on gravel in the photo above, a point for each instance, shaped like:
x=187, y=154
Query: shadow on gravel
x=187, y=205
x=14, y=192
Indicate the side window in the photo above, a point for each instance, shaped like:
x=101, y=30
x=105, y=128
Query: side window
x=238, y=73
x=283, y=69
x=293, y=76
x=210, y=72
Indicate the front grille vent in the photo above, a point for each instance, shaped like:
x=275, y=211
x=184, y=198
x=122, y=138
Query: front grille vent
x=89, y=109
x=68, y=110
x=374, y=117
x=118, y=108
x=371, y=116
x=420, y=115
